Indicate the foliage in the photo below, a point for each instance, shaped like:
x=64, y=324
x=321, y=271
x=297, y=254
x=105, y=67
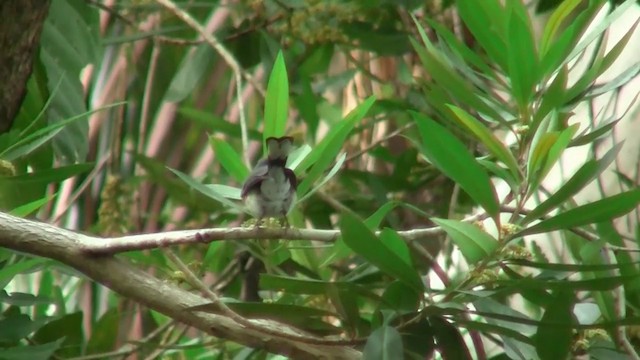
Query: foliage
x=380, y=151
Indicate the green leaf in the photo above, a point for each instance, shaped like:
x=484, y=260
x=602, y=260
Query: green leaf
x=395, y=243
x=400, y=297
x=53, y=175
x=486, y=21
x=67, y=328
x=32, y=352
x=383, y=344
x=598, y=211
x=105, y=332
x=276, y=102
x=22, y=299
x=552, y=341
x=229, y=159
x=308, y=286
x=448, y=339
x=438, y=66
x=566, y=267
x=556, y=47
x=206, y=190
x=474, y=243
x=522, y=55
x=190, y=72
x=29, y=143
x=7, y=272
x=451, y=157
x=69, y=42
x=327, y=150
x=601, y=27
x=556, y=150
x=31, y=207
x=229, y=192
x=334, y=170
x=468, y=55
x=487, y=138
x=364, y=242
x=594, y=135
x=587, y=172
x=302, y=317
x=555, y=23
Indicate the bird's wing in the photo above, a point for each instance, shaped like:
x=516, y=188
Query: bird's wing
x=291, y=176
x=257, y=175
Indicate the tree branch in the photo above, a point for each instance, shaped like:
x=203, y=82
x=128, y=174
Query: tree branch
x=122, y=277
x=95, y=245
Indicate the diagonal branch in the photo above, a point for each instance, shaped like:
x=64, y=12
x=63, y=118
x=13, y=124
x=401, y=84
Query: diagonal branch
x=122, y=277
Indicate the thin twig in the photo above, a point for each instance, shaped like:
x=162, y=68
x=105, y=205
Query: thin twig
x=211, y=40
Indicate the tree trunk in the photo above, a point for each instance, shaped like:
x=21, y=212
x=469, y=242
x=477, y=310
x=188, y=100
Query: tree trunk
x=20, y=28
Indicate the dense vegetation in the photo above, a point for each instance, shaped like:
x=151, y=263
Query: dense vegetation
x=435, y=215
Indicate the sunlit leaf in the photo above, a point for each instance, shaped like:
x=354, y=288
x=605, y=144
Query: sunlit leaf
x=451, y=157
x=554, y=342
x=474, y=243
x=276, y=102
x=229, y=159
x=383, y=344
x=364, y=242
x=487, y=138
x=598, y=211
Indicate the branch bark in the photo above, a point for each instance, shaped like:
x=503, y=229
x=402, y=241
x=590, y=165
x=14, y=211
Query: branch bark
x=122, y=277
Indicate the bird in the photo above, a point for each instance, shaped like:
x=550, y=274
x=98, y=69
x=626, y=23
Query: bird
x=270, y=189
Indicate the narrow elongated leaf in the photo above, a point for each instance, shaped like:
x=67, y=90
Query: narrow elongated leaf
x=383, y=344
x=451, y=157
x=325, y=153
x=29, y=208
x=587, y=172
x=554, y=342
x=561, y=143
x=364, y=242
x=568, y=267
x=308, y=286
x=450, y=343
x=555, y=22
x=375, y=219
x=339, y=161
x=229, y=159
x=276, y=102
x=31, y=352
x=594, y=135
x=600, y=28
x=522, y=54
x=598, y=211
x=205, y=190
x=487, y=138
x=9, y=271
x=34, y=140
x=394, y=242
x=476, y=16
x=436, y=64
x=474, y=243
x=556, y=49
x=190, y=72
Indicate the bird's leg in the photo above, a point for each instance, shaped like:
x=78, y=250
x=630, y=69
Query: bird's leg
x=284, y=222
x=258, y=222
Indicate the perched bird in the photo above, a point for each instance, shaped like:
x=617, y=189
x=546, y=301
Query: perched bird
x=270, y=189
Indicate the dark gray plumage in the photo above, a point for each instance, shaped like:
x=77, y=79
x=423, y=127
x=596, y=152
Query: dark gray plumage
x=270, y=189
